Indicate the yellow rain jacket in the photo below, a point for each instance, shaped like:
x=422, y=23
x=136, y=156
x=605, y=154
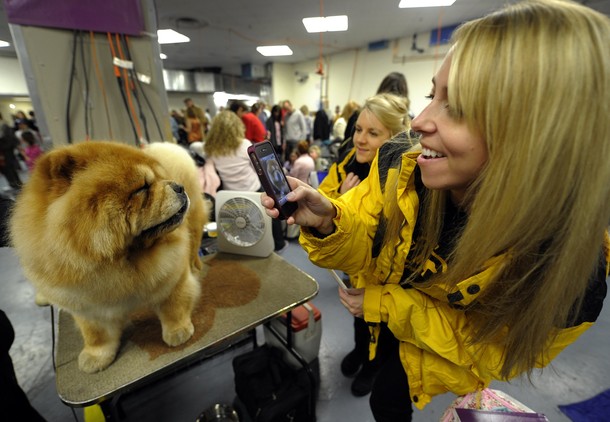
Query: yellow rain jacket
x=336, y=175
x=429, y=324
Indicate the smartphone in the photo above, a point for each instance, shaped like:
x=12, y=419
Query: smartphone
x=344, y=284
x=272, y=177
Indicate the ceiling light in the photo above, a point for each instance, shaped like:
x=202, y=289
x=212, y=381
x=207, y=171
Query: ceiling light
x=274, y=50
x=326, y=24
x=4, y=44
x=169, y=36
x=163, y=56
x=425, y=3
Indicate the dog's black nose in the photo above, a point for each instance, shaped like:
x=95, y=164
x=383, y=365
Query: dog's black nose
x=177, y=188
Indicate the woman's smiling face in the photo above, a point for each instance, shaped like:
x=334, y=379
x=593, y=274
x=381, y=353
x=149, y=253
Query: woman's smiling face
x=452, y=154
x=369, y=136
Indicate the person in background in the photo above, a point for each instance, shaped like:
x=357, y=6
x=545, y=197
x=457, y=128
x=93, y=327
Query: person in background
x=194, y=126
x=394, y=83
x=264, y=114
x=304, y=164
x=308, y=122
x=340, y=124
x=201, y=115
x=483, y=263
x=208, y=118
x=382, y=117
x=32, y=118
x=9, y=166
x=21, y=118
x=31, y=149
x=337, y=113
x=227, y=146
x=178, y=118
x=289, y=163
x=295, y=128
x=316, y=153
x=255, y=131
x=321, y=126
x=276, y=131
x=177, y=125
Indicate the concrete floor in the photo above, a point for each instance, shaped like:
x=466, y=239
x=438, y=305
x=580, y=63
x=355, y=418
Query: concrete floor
x=580, y=372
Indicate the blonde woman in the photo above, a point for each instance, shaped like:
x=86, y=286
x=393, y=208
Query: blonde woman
x=485, y=247
x=382, y=117
x=338, y=131
x=227, y=147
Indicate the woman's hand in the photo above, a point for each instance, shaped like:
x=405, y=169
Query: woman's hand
x=353, y=300
x=351, y=180
x=314, y=210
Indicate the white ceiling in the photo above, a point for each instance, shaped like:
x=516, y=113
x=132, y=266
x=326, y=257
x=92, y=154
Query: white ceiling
x=225, y=33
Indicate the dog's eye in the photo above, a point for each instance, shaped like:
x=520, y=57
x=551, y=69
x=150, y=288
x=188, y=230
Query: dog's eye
x=141, y=189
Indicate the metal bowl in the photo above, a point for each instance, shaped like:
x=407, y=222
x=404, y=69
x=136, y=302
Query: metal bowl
x=219, y=413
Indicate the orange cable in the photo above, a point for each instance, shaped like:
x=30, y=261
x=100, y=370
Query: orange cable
x=100, y=81
x=117, y=72
x=128, y=88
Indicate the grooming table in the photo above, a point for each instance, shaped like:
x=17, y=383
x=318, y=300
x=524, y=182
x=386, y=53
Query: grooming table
x=282, y=288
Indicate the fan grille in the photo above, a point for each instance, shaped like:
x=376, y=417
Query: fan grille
x=241, y=222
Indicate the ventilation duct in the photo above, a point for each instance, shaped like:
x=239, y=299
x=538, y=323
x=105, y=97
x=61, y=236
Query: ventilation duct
x=204, y=82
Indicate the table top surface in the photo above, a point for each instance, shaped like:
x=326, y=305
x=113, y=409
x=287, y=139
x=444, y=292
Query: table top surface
x=282, y=287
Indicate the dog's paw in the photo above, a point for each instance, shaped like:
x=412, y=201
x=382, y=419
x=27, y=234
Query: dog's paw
x=179, y=334
x=41, y=300
x=94, y=361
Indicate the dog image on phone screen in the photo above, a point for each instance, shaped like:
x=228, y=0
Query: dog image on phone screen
x=277, y=178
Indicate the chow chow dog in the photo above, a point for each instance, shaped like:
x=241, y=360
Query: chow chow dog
x=103, y=230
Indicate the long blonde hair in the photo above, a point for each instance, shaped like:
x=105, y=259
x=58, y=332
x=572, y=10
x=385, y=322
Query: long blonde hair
x=534, y=80
x=348, y=109
x=225, y=135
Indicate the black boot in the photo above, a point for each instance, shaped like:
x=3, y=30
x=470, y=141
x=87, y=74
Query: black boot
x=351, y=363
x=363, y=383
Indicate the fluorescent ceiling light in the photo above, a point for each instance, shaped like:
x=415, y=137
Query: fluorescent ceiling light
x=4, y=44
x=326, y=24
x=169, y=36
x=163, y=56
x=274, y=50
x=425, y=3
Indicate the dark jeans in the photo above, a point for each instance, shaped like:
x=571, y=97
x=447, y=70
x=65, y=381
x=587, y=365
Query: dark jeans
x=278, y=234
x=362, y=337
x=390, y=400
x=276, y=230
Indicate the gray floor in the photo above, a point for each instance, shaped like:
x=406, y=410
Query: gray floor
x=580, y=372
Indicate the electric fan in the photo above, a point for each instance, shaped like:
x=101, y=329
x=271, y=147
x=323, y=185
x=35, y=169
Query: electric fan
x=243, y=226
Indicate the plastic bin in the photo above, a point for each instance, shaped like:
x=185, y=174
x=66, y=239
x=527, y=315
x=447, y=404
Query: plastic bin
x=306, y=328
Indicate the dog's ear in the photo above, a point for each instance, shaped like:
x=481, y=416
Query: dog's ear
x=59, y=167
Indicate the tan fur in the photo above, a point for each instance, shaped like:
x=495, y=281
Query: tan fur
x=79, y=229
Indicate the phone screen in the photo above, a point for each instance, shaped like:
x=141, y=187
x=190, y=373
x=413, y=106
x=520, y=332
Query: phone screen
x=276, y=177
x=272, y=177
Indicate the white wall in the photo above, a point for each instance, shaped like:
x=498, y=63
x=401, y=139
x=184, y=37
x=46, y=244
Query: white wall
x=356, y=74
x=12, y=80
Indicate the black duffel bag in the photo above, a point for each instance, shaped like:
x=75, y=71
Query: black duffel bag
x=269, y=388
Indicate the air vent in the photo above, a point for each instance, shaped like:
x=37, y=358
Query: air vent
x=191, y=23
